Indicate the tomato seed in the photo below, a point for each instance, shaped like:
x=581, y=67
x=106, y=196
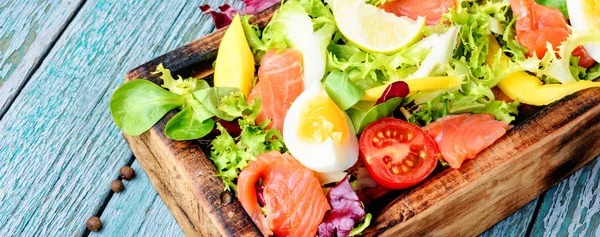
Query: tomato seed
x=396, y=170
x=422, y=154
x=380, y=134
x=376, y=140
x=410, y=163
x=404, y=168
x=409, y=136
x=388, y=133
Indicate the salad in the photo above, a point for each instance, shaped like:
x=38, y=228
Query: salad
x=335, y=102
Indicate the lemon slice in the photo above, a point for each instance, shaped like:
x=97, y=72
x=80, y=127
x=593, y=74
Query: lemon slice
x=374, y=30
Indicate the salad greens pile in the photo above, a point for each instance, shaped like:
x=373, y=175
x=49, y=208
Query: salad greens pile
x=137, y=105
x=230, y=154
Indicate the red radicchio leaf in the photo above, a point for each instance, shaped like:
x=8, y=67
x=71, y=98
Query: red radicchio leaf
x=260, y=197
x=256, y=6
x=396, y=89
x=346, y=210
x=222, y=18
x=226, y=14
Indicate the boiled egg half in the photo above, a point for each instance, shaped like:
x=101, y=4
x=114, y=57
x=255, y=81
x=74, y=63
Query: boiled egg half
x=584, y=16
x=319, y=134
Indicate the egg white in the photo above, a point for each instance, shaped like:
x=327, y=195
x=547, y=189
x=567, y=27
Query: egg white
x=325, y=157
x=583, y=20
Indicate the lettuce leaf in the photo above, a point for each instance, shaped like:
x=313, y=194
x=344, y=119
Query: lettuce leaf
x=368, y=70
x=230, y=154
x=179, y=86
x=472, y=97
x=365, y=112
x=342, y=90
x=558, y=65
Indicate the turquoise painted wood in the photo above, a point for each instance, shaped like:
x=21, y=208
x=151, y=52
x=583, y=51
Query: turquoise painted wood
x=137, y=211
x=572, y=208
x=28, y=28
x=60, y=148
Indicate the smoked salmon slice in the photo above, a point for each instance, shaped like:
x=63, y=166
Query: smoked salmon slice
x=279, y=84
x=294, y=201
x=538, y=24
x=461, y=137
x=432, y=10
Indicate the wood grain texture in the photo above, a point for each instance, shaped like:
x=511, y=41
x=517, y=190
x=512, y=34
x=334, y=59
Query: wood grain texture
x=515, y=225
x=137, y=211
x=59, y=146
x=29, y=27
x=532, y=157
x=475, y=197
x=572, y=208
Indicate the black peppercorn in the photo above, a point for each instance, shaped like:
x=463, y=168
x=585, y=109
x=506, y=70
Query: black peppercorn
x=116, y=186
x=94, y=224
x=127, y=173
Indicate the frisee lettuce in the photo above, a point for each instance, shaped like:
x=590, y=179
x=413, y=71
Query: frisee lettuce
x=230, y=154
x=472, y=97
x=368, y=70
x=558, y=65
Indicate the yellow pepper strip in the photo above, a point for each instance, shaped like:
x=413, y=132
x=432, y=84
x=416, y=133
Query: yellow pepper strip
x=529, y=89
x=415, y=85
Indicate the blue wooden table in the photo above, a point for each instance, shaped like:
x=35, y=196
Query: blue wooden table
x=60, y=61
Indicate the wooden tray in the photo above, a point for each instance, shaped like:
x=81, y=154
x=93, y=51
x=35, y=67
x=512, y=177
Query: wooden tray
x=537, y=153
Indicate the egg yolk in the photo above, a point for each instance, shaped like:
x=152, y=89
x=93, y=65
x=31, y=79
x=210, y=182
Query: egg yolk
x=322, y=119
x=592, y=10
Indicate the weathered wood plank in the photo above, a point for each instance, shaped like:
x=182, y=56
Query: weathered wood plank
x=572, y=208
x=514, y=225
x=59, y=147
x=28, y=30
x=137, y=211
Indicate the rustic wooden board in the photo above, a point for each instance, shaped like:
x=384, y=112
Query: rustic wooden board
x=59, y=148
x=544, y=149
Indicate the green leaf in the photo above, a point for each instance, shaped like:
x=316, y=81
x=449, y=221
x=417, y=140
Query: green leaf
x=342, y=90
x=364, y=223
x=558, y=4
x=235, y=105
x=363, y=113
x=137, y=105
x=210, y=98
x=186, y=125
x=179, y=86
x=230, y=157
x=253, y=34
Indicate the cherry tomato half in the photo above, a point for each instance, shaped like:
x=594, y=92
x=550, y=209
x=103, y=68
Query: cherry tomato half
x=397, y=154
